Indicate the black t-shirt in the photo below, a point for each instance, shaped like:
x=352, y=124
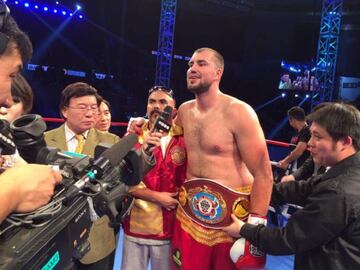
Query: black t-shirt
x=302, y=136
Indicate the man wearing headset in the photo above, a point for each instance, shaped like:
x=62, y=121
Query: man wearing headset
x=29, y=186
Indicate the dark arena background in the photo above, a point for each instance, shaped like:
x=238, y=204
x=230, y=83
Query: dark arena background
x=113, y=45
x=124, y=47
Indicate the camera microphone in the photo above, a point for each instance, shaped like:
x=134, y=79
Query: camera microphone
x=110, y=157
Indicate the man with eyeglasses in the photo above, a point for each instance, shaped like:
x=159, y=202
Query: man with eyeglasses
x=148, y=229
x=79, y=107
x=26, y=187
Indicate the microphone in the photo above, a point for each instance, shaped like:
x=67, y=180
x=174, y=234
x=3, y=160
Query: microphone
x=111, y=157
x=116, y=153
x=162, y=123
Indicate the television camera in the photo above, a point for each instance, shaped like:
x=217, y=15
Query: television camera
x=55, y=234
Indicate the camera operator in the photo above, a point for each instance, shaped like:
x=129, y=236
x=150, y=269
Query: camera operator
x=29, y=186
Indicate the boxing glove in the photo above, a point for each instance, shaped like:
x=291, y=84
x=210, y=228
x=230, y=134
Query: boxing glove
x=244, y=254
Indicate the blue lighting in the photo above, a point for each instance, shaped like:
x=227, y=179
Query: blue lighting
x=296, y=95
x=52, y=8
x=307, y=96
x=283, y=95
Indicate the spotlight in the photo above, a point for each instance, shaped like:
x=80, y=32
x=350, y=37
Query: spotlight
x=46, y=8
x=283, y=95
x=78, y=7
x=57, y=2
x=71, y=14
x=296, y=95
x=36, y=6
x=26, y=5
x=63, y=12
x=16, y=2
x=55, y=10
x=81, y=16
x=307, y=96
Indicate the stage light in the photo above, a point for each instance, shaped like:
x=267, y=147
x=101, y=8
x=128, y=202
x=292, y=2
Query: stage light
x=296, y=95
x=50, y=8
x=283, y=95
x=307, y=96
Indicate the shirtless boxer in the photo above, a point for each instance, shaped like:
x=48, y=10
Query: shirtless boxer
x=225, y=143
x=225, y=148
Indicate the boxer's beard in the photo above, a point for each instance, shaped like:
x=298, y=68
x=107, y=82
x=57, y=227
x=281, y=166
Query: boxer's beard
x=199, y=88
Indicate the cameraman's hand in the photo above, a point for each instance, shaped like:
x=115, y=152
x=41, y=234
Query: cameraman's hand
x=33, y=185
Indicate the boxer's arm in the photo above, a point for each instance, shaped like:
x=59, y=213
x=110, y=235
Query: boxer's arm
x=177, y=119
x=252, y=147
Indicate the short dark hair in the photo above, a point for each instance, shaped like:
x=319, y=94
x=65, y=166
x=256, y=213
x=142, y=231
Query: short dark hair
x=297, y=113
x=74, y=90
x=101, y=99
x=21, y=92
x=17, y=40
x=219, y=59
x=339, y=120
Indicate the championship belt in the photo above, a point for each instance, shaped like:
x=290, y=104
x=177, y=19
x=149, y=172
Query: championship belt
x=210, y=204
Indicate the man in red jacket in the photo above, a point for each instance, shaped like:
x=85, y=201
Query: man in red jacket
x=149, y=227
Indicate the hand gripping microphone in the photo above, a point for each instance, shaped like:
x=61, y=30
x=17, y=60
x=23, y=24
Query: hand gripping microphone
x=162, y=123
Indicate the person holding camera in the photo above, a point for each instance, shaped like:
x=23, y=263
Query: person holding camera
x=28, y=186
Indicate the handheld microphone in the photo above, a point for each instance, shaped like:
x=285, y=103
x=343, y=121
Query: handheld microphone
x=162, y=123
